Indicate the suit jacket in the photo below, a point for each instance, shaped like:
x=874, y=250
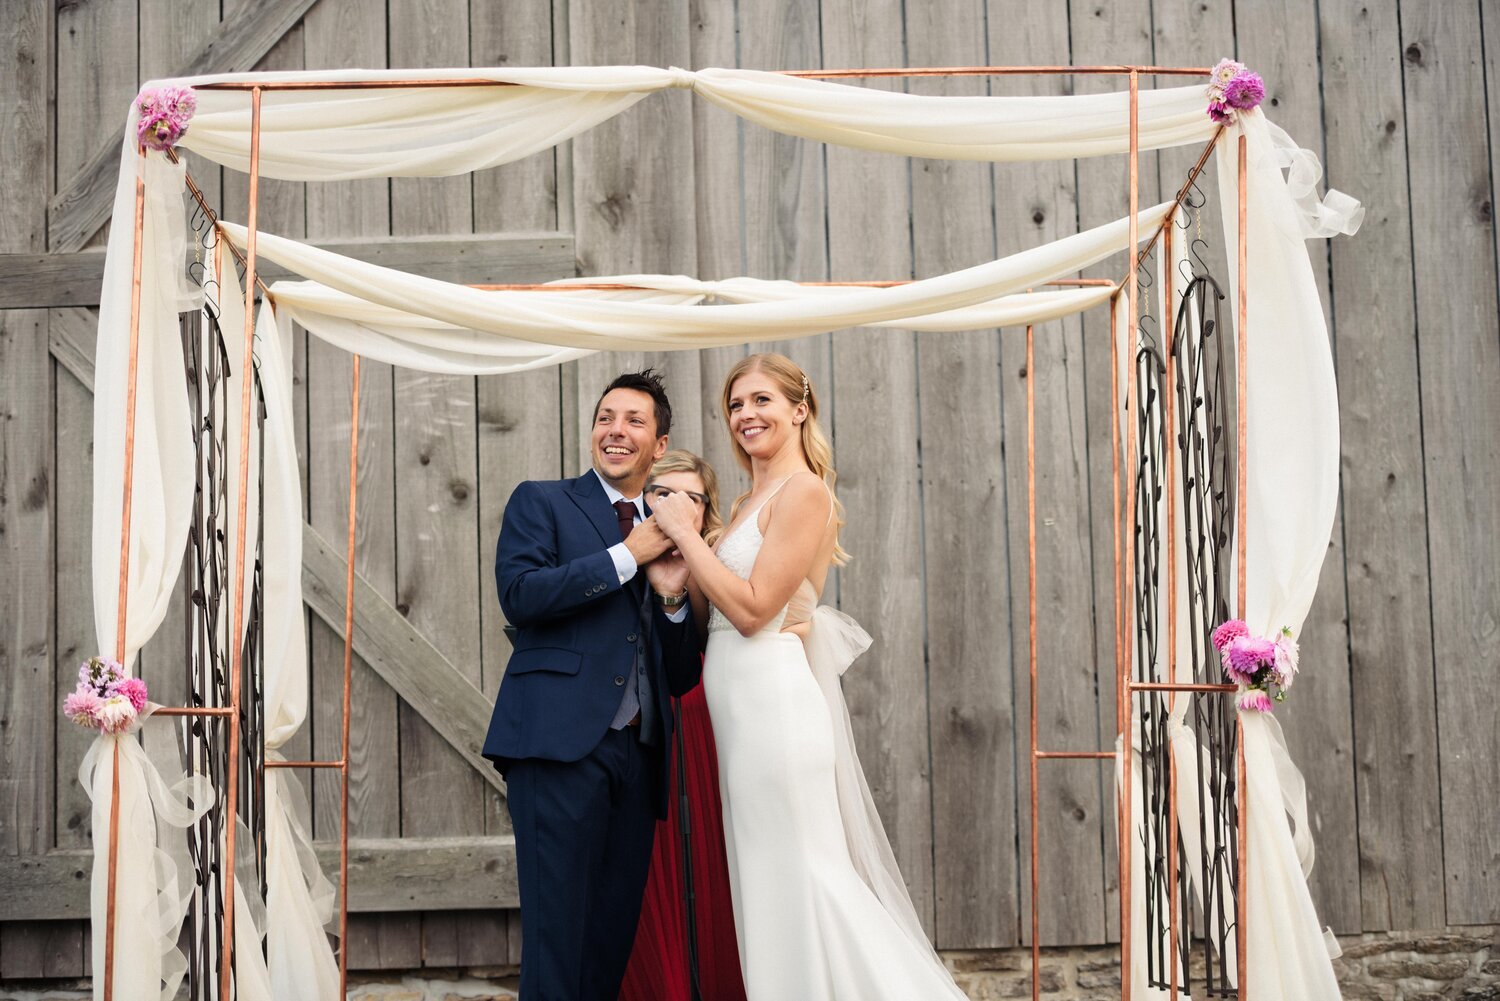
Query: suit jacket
x=577, y=629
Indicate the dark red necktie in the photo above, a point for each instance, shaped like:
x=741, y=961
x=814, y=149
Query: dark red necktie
x=625, y=511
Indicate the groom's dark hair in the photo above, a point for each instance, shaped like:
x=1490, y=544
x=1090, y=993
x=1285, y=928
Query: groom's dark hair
x=648, y=382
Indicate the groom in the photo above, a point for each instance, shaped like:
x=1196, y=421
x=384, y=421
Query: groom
x=583, y=722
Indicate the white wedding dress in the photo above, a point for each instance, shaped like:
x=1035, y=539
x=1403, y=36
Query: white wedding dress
x=819, y=906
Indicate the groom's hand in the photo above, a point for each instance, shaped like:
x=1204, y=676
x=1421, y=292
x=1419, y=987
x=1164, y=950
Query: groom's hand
x=646, y=542
x=668, y=574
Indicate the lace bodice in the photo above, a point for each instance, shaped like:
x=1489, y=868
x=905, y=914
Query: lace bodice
x=738, y=551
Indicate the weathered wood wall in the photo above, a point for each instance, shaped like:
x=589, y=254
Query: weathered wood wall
x=1402, y=650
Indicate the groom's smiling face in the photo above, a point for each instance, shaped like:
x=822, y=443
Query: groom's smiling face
x=625, y=442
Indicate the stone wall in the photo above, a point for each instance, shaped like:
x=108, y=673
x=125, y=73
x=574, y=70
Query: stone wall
x=1457, y=964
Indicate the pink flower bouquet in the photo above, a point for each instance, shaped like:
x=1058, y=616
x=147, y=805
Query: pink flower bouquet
x=105, y=699
x=165, y=113
x=1257, y=664
x=1231, y=89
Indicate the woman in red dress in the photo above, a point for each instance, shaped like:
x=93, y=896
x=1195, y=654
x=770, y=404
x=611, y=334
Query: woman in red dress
x=661, y=962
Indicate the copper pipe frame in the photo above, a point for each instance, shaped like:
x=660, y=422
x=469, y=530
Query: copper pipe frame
x=304, y=764
x=1131, y=282
x=1074, y=755
x=1036, y=945
x=1142, y=252
x=1242, y=902
x=348, y=676
x=213, y=219
x=824, y=74
x=124, y=593
x=237, y=648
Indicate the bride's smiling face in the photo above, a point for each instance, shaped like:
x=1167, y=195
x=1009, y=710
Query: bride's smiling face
x=761, y=418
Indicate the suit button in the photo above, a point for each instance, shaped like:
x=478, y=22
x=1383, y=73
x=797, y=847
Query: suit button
x=619, y=681
x=630, y=638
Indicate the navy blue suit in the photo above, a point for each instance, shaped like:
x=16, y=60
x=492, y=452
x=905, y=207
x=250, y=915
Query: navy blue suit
x=583, y=797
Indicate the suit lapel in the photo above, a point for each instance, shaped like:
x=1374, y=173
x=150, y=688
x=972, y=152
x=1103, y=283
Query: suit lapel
x=588, y=493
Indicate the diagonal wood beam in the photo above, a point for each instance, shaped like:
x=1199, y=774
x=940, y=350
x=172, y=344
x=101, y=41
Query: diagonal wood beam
x=79, y=209
x=383, y=637
x=399, y=653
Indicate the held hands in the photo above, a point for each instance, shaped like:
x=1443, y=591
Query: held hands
x=668, y=574
x=646, y=541
x=677, y=515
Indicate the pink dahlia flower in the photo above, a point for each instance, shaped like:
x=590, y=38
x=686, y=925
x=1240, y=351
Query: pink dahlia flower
x=82, y=707
x=1246, y=656
x=133, y=689
x=1231, y=630
x=1224, y=71
x=1254, y=700
x=1245, y=91
x=164, y=115
x=1220, y=112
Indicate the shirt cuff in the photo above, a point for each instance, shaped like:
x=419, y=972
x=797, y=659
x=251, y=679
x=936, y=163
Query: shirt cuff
x=677, y=614
x=625, y=565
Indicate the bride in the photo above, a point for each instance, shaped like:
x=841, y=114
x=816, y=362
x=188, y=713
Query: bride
x=819, y=906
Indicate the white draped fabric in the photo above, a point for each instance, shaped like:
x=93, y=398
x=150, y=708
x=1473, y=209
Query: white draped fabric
x=325, y=135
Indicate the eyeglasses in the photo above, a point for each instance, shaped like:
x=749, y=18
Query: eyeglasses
x=657, y=491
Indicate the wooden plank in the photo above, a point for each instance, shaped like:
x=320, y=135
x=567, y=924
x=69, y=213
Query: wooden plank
x=1036, y=204
x=27, y=463
x=385, y=874
x=728, y=159
x=1111, y=32
x=518, y=416
x=96, y=55
x=30, y=280
x=84, y=203
x=520, y=195
x=875, y=421
x=342, y=34
x=1390, y=626
x=436, y=489
x=28, y=699
x=632, y=178
x=964, y=533
x=1280, y=40
x=1453, y=253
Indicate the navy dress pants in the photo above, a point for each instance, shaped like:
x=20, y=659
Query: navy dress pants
x=583, y=831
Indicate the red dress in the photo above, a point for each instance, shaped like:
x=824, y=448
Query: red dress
x=658, y=969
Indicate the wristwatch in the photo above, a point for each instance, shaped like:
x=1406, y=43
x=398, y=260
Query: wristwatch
x=671, y=600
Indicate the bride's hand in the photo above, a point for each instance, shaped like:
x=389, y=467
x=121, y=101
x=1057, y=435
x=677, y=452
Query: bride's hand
x=677, y=516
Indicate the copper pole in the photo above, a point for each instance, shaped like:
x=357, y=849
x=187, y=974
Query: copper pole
x=1036, y=945
x=304, y=764
x=820, y=74
x=124, y=593
x=1131, y=401
x=213, y=219
x=1163, y=686
x=247, y=380
x=1114, y=510
x=619, y=287
x=348, y=675
x=1169, y=392
x=1044, y=755
x=1242, y=908
x=1142, y=252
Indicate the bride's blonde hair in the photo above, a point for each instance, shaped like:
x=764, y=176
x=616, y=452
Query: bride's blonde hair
x=792, y=383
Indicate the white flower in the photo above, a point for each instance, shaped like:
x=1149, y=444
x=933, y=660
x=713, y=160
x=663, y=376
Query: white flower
x=1286, y=659
x=115, y=714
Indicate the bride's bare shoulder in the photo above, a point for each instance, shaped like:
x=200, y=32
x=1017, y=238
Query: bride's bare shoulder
x=803, y=496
